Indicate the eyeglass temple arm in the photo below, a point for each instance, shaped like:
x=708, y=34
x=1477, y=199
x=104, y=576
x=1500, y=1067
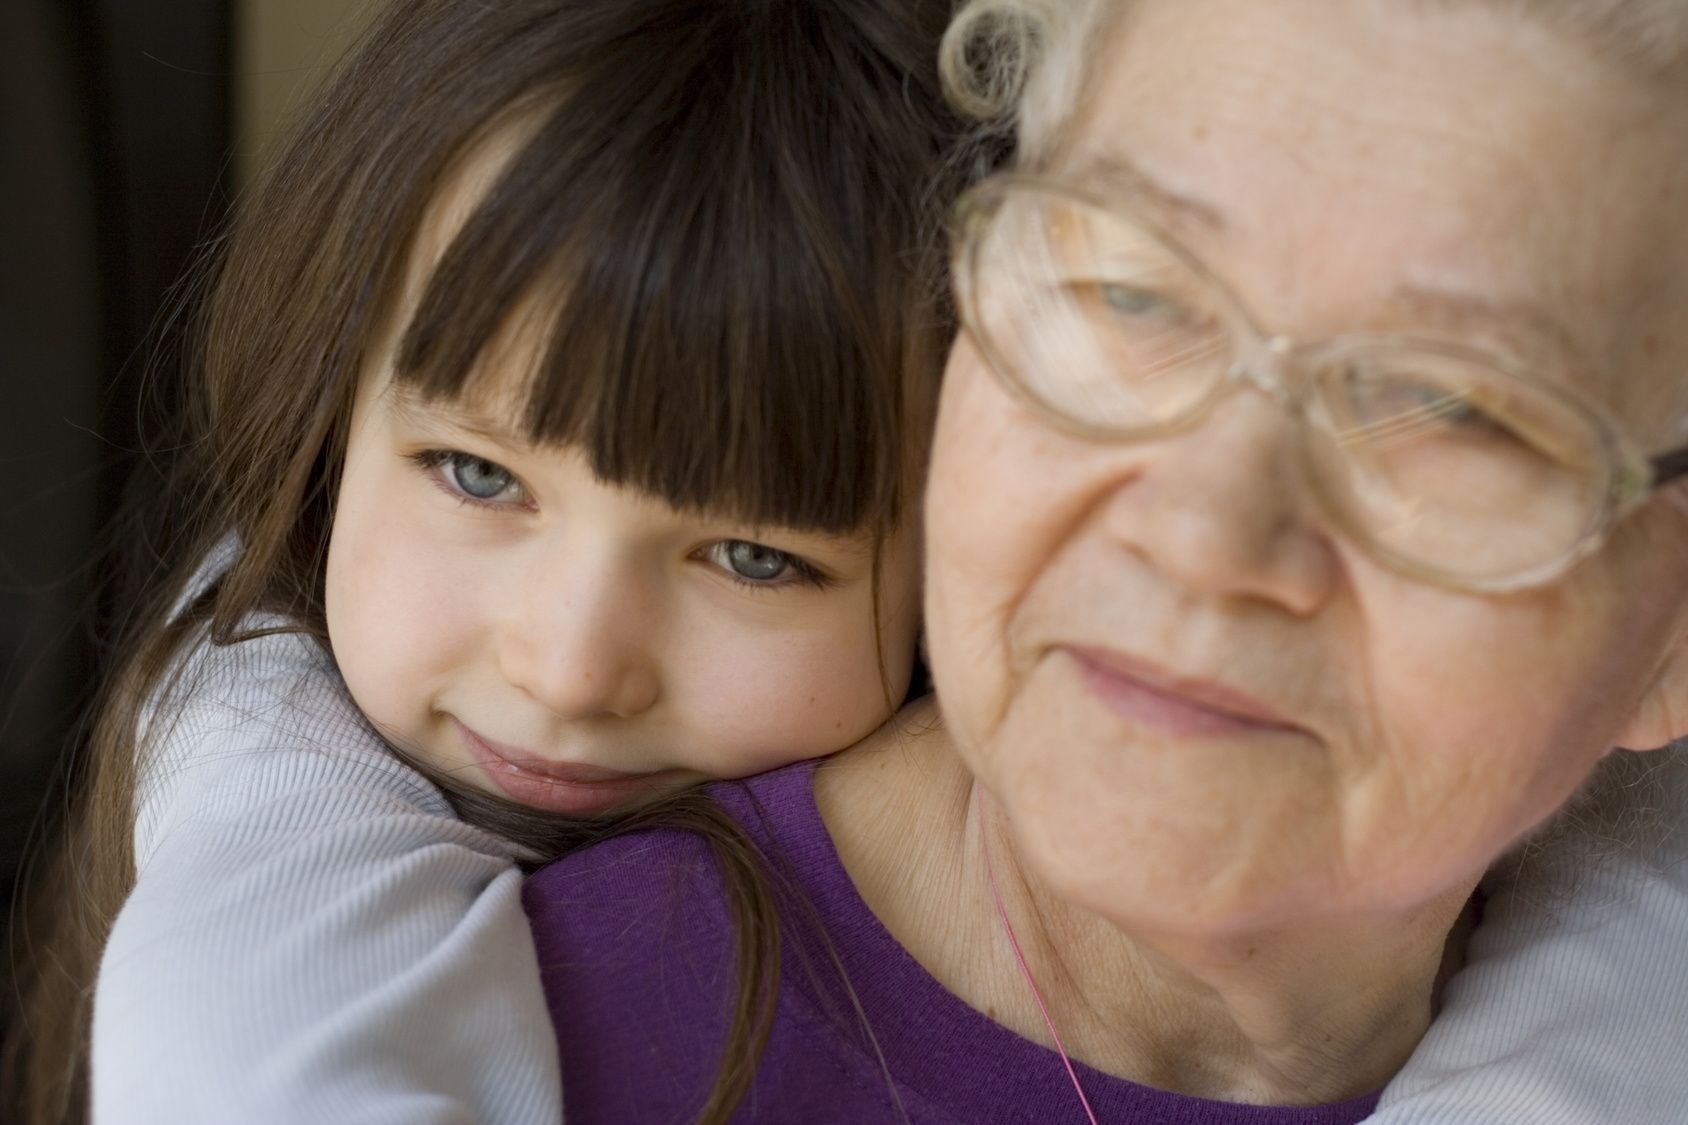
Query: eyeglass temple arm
x=1669, y=466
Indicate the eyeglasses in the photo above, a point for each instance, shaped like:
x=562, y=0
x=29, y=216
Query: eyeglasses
x=1443, y=462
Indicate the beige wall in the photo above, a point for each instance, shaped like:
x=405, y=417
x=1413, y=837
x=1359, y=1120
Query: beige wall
x=282, y=48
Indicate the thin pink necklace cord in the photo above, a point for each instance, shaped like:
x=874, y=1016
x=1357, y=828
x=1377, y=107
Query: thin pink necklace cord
x=1025, y=970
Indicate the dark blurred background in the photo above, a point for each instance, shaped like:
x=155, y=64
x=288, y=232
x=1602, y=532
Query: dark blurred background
x=126, y=129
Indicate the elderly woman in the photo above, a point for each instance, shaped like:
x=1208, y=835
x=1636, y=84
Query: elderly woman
x=1305, y=526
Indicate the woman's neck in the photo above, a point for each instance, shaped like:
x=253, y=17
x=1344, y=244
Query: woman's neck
x=1304, y=1015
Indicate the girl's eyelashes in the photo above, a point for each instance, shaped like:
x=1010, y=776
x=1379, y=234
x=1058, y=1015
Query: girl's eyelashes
x=471, y=480
x=760, y=567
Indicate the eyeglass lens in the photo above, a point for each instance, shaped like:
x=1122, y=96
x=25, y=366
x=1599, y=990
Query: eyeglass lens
x=1442, y=461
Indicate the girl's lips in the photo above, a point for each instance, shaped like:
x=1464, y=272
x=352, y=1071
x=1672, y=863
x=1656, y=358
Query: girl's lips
x=1178, y=705
x=563, y=787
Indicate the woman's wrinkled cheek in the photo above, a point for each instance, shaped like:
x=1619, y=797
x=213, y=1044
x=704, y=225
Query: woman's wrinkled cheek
x=1006, y=494
x=970, y=575
x=1488, y=713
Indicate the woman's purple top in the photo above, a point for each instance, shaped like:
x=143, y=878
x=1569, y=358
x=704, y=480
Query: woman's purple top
x=637, y=953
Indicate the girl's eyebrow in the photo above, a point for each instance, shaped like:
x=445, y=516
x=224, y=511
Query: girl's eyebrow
x=850, y=547
x=408, y=405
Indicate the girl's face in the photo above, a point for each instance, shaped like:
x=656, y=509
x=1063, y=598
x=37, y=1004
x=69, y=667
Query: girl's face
x=500, y=613
x=1203, y=708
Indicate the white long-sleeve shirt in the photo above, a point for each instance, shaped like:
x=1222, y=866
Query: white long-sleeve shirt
x=314, y=937
x=1573, y=1005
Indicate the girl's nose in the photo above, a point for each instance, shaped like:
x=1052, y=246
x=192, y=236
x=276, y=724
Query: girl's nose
x=580, y=640
x=1224, y=509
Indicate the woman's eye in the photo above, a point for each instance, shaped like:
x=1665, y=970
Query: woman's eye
x=1145, y=306
x=1132, y=301
x=1434, y=405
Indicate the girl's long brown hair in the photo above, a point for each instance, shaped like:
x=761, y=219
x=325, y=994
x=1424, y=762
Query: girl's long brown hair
x=728, y=209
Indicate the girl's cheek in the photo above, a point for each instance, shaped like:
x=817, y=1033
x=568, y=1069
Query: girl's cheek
x=370, y=626
x=763, y=702
x=398, y=594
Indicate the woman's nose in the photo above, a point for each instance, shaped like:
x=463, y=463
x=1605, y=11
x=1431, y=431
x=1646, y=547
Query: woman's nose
x=1224, y=509
x=579, y=639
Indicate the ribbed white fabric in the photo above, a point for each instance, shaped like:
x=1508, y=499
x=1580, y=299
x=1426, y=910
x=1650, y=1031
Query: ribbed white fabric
x=314, y=937
x=1573, y=1010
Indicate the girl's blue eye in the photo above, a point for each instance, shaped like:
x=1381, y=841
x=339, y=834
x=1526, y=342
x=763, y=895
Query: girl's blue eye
x=477, y=477
x=470, y=479
x=758, y=566
x=753, y=561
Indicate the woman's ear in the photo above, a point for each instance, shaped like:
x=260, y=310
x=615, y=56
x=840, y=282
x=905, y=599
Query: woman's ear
x=1661, y=716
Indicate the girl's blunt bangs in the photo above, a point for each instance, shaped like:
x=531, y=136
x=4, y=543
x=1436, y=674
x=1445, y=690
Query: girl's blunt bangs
x=735, y=302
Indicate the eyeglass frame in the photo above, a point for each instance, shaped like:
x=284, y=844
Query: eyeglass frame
x=1634, y=476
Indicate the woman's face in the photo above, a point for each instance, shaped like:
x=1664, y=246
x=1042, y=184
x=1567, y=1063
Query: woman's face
x=1203, y=708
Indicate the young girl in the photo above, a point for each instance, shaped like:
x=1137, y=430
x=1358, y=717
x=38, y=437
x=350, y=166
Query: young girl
x=564, y=390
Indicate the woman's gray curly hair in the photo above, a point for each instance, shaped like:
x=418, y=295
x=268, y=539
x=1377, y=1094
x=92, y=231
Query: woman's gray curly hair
x=1019, y=67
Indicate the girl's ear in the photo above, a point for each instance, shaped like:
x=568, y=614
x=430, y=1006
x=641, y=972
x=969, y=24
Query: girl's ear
x=1661, y=717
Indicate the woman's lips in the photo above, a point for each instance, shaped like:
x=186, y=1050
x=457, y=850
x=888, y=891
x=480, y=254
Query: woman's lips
x=562, y=787
x=1177, y=705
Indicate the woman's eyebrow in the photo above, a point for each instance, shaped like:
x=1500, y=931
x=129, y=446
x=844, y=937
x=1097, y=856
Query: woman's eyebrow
x=1112, y=173
x=1524, y=332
